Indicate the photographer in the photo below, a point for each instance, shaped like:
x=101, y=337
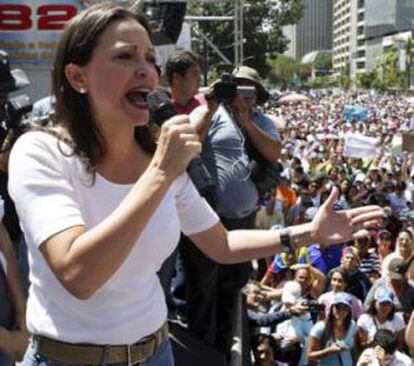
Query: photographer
x=226, y=157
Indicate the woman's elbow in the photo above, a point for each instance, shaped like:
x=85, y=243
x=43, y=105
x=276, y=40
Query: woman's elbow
x=78, y=287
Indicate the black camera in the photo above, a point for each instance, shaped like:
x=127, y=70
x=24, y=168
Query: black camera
x=313, y=306
x=11, y=118
x=226, y=90
x=17, y=108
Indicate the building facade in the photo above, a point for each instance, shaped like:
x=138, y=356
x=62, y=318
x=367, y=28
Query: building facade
x=362, y=29
x=313, y=32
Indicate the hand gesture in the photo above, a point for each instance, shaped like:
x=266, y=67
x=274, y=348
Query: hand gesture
x=335, y=348
x=298, y=310
x=330, y=226
x=177, y=145
x=241, y=110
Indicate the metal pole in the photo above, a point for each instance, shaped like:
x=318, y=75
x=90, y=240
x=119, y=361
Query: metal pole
x=238, y=32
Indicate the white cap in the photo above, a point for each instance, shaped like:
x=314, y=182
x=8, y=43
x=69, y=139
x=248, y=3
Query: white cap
x=291, y=292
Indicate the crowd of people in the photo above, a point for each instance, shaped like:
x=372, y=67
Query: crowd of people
x=327, y=253
x=360, y=293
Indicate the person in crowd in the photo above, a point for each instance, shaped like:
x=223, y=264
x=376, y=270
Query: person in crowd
x=331, y=341
x=183, y=73
x=311, y=280
x=397, y=282
x=14, y=336
x=264, y=350
x=409, y=333
x=213, y=293
x=381, y=315
x=339, y=283
x=405, y=250
x=358, y=282
x=384, y=244
x=369, y=263
x=398, y=199
x=383, y=351
x=93, y=227
x=11, y=81
x=292, y=334
x=258, y=318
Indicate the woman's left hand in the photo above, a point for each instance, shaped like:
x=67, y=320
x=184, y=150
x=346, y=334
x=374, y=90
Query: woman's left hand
x=330, y=226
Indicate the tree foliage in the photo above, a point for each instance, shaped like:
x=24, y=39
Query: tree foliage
x=263, y=21
x=285, y=71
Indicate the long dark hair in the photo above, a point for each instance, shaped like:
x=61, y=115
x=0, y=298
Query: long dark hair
x=343, y=274
x=73, y=110
x=328, y=332
x=372, y=310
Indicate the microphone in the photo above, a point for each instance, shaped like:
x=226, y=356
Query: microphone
x=161, y=109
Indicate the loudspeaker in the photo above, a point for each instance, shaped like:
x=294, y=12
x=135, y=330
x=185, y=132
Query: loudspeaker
x=166, y=20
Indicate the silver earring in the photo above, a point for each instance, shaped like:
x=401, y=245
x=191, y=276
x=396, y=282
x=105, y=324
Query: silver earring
x=82, y=90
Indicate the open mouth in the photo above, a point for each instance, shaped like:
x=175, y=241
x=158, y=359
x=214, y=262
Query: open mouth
x=138, y=98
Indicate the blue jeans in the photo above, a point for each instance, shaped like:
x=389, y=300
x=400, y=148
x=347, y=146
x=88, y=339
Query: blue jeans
x=163, y=357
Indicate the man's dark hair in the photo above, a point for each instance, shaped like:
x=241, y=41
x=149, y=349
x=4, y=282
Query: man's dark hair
x=387, y=340
x=401, y=186
x=299, y=169
x=180, y=62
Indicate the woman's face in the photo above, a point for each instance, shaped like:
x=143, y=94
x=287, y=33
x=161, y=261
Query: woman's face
x=405, y=245
x=383, y=308
x=384, y=241
x=120, y=75
x=340, y=311
x=338, y=283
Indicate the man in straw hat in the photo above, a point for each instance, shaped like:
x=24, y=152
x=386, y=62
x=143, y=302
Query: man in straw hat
x=212, y=298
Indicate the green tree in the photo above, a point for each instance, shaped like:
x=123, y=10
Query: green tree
x=367, y=80
x=286, y=71
x=410, y=62
x=263, y=21
x=344, y=77
x=323, y=64
x=387, y=68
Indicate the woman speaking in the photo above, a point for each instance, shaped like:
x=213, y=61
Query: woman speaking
x=102, y=204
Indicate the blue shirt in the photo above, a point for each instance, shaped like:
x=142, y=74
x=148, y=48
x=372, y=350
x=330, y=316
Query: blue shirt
x=347, y=342
x=325, y=259
x=225, y=157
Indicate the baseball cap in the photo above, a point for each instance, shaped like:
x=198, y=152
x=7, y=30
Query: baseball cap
x=360, y=177
x=351, y=250
x=342, y=298
x=291, y=292
x=384, y=294
x=397, y=269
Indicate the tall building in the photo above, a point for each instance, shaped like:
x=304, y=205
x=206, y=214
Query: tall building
x=362, y=29
x=348, y=36
x=313, y=32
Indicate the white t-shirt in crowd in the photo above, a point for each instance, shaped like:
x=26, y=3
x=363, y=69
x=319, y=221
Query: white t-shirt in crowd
x=398, y=359
x=53, y=192
x=366, y=322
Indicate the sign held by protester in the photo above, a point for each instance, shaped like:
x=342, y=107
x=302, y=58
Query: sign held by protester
x=360, y=146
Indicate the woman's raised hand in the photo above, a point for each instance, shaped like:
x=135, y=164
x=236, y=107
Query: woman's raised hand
x=177, y=145
x=330, y=226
